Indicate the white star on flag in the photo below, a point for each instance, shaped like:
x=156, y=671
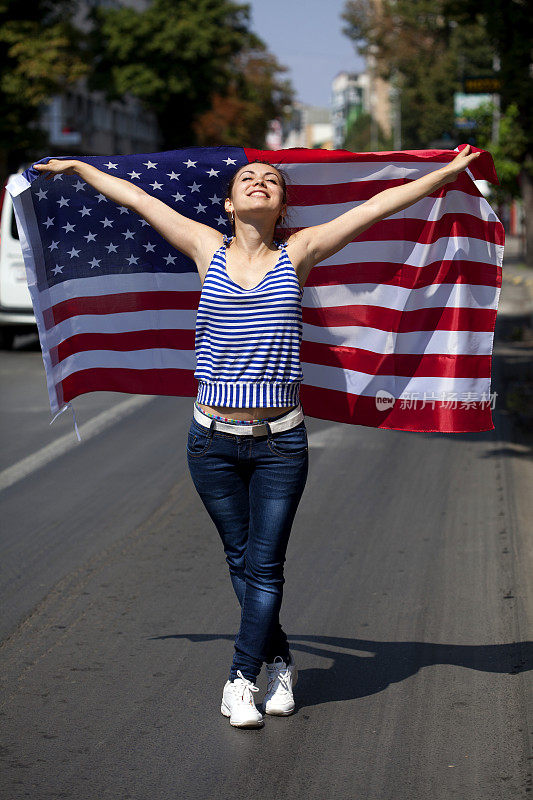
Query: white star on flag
x=110, y=165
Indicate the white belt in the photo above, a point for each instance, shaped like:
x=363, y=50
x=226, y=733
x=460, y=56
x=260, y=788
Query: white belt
x=292, y=419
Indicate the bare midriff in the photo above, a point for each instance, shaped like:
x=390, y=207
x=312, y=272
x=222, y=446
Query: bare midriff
x=248, y=414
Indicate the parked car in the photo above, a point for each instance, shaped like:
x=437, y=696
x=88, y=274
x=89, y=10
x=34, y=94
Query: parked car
x=16, y=311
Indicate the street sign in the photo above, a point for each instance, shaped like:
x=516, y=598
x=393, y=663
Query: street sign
x=490, y=84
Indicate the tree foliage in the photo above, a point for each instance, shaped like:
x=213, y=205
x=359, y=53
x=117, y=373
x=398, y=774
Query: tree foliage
x=255, y=95
x=185, y=60
x=429, y=45
x=508, y=28
x=416, y=47
x=38, y=58
x=358, y=136
x=507, y=151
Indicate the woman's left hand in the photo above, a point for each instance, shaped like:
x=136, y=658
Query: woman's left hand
x=461, y=161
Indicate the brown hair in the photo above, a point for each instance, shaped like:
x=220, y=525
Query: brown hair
x=283, y=186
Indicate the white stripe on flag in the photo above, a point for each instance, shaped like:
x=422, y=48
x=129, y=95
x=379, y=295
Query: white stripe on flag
x=455, y=343
x=360, y=383
x=428, y=209
x=438, y=295
x=326, y=173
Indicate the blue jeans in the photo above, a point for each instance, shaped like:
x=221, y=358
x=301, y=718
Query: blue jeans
x=251, y=487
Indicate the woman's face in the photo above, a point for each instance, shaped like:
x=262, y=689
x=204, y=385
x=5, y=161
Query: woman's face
x=257, y=189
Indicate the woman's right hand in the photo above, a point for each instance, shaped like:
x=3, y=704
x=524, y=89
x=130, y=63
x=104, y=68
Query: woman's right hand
x=56, y=166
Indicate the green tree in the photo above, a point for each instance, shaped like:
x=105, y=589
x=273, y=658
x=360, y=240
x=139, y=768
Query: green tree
x=507, y=151
x=38, y=58
x=256, y=95
x=358, y=135
x=508, y=27
x=429, y=46
x=180, y=58
x=417, y=47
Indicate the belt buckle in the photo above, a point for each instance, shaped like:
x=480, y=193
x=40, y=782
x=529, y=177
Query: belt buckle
x=259, y=425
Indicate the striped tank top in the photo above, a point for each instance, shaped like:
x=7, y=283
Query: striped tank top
x=248, y=340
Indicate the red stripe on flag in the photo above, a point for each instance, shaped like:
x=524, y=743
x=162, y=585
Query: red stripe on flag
x=407, y=276
x=422, y=231
x=172, y=382
x=398, y=321
x=131, y=340
x=361, y=190
x=339, y=406
x=127, y=302
x=401, y=364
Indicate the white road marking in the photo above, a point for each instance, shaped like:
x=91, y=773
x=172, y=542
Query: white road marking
x=65, y=443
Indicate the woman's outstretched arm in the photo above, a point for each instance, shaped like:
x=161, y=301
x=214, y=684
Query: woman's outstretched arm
x=316, y=243
x=194, y=239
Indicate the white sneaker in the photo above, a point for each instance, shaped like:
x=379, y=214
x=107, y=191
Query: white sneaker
x=238, y=703
x=279, y=699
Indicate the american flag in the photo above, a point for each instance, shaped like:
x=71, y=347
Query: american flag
x=398, y=326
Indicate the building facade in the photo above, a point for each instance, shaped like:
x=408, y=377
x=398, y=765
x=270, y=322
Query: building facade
x=79, y=121
x=349, y=98
x=308, y=126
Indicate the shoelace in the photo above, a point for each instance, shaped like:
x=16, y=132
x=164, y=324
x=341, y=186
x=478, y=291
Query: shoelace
x=281, y=673
x=247, y=685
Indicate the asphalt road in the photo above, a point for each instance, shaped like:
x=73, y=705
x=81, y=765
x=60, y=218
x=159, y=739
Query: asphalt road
x=407, y=602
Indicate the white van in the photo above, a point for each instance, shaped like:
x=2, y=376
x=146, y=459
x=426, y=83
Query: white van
x=16, y=311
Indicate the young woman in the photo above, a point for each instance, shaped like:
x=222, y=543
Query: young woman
x=247, y=460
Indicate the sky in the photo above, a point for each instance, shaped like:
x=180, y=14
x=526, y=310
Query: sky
x=306, y=37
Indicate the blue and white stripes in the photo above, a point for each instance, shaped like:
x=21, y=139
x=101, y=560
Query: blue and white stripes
x=248, y=340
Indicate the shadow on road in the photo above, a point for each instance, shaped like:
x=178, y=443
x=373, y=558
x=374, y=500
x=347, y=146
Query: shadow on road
x=373, y=666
